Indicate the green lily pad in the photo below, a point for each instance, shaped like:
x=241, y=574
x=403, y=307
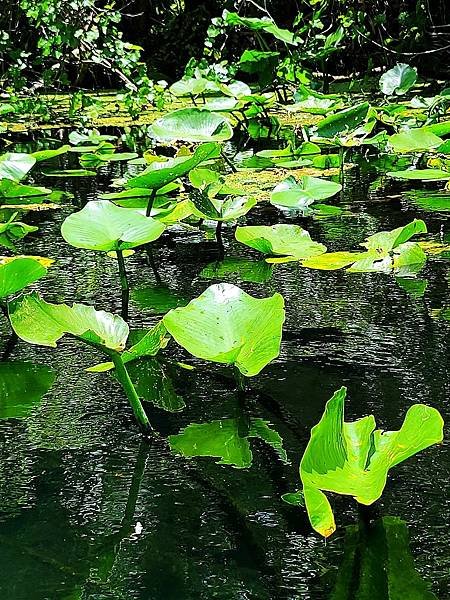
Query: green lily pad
x=11, y=189
x=15, y=165
x=398, y=80
x=18, y=272
x=414, y=140
x=226, y=325
x=280, y=240
x=101, y=225
x=291, y=193
x=192, y=125
x=220, y=209
x=42, y=155
x=420, y=174
x=354, y=458
x=343, y=121
x=42, y=323
x=160, y=174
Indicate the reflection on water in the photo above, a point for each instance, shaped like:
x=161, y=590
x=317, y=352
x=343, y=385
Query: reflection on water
x=88, y=511
x=377, y=563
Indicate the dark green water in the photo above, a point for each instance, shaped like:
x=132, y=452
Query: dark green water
x=89, y=511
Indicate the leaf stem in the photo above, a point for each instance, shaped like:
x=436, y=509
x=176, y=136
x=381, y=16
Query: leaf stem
x=228, y=161
x=150, y=203
x=123, y=284
x=219, y=240
x=130, y=391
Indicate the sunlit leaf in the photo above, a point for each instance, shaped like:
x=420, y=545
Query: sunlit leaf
x=283, y=240
x=101, y=225
x=353, y=458
x=42, y=323
x=226, y=325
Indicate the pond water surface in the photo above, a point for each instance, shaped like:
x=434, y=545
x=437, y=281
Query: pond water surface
x=90, y=511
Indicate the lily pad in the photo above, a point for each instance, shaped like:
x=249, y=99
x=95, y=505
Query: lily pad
x=42, y=323
x=398, y=80
x=354, y=458
x=414, y=140
x=226, y=325
x=15, y=165
x=291, y=193
x=192, y=125
x=420, y=174
x=18, y=272
x=101, y=225
x=159, y=174
x=280, y=240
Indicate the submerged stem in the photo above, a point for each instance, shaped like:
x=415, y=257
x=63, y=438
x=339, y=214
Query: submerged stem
x=123, y=284
x=150, y=203
x=130, y=391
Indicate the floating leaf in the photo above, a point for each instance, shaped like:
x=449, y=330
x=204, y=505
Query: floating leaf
x=15, y=165
x=42, y=155
x=218, y=209
x=192, y=125
x=420, y=174
x=42, y=323
x=398, y=80
x=343, y=121
x=354, y=458
x=11, y=189
x=101, y=225
x=414, y=140
x=291, y=193
x=226, y=325
x=281, y=240
x=19, y=271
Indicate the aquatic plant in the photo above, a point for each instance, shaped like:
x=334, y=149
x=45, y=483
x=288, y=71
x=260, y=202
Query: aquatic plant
x=228, y=326
x=385, y=251
x=192, y=125
x=17, y=272
x=38, y=322
x=354, y=458
x=398, y=80
x=300, y=194
x=101, y=225
x=280, y=240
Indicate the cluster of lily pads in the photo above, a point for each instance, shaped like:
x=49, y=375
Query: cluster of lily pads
x=225, y=324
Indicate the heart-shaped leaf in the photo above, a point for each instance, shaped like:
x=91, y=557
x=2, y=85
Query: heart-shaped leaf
x=192, y=125
x=101, y=225
x=280, y=240
x=226, y=325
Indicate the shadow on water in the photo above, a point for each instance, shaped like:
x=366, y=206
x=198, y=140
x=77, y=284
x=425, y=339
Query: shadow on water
x=88, y=511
